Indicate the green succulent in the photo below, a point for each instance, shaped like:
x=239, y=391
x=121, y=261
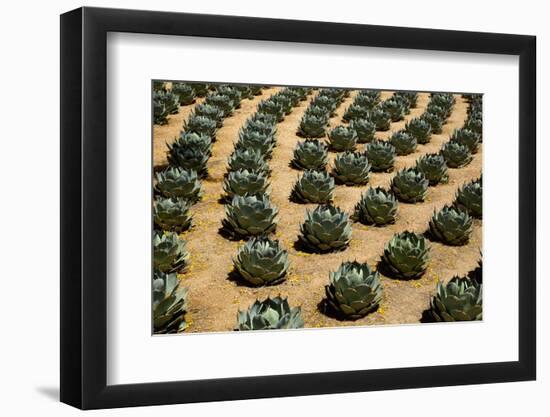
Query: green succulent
x=367, y=101
x=326, y=102
x=364, y=129
x=273, y=108
x=442, y=113
x=169, y=304
x=434, y=168
x=245, y=91
x=461, y=299
x=351, y=168
x=381, y=155
x=233, y=93
x=250, y=159
x=403, y=143
x=190, y=159
x=172, y=214
x=435, y=122
x=325, y=229
x=317, y=111
x=451, y=226
x=374, y=94
x=456, y=154
x=420, y=129
x=164, y=104
x=406, y=256
x=285, y=101
x=444, y=100
x=159, y=86
x=410, y=96
x=270, y=314
x=395, y=109
x=185, y=93
x=477, y=273
x=200, y=141
x=211, y=112
x=313, y=187
x=200, y=89
x=201, y=125
x=410, y=185
x=169, y=252
x=249, y=215
x=261, y=261
x=403, y=101
x=223, y=102
x=475, y=125
x=310, y=154
x=467, y=137
x=256, y=90
x=377, y=206
x=381, y=119
x=160, y=113
x=356, y=111
x=301, y=92
x=354, y=290
x=178, y=182
x=243, y=181
x=470, y=198
x=250, y=139
x=342, y=138
x=312, y=126
x=262, y=123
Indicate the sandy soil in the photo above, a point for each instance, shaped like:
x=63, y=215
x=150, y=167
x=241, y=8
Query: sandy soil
x=214, y=298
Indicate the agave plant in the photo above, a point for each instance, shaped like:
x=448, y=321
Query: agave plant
x=406, y=255
x=342, y=138
x=420, y=129
x=354, y=290
x=367, y=101
x=374, y=94
x=435, y=122
x=456, y=154
x=172, y=214
x=273, y=108
x=467, y=137
x=255, y=90
x=381, y=119
x=223, y=102
x=261, y=261
x=211, y=112
x=159, y=86
x=178, y=182
x=325, y=229
x=364, y=129
x=185, y=93
x=326, y=102
x=262, y=123
x=434, y=168
x=313, y=187
x=190, y=159
x=312, y=126
x=477, y=273
x=249, y=215
x=169, y=99
x=410, y=96
x=381, y=155
x=461, y=299
x=169, y=252
x=444, y=100
x=475, y=125
x=470, y=198
x=317, y=111
x=356, y=111
x=451, y=226
x=394, y=108
x=409, y=185
x=250, y=159
x=377, y=206
x=250, y=139
x=160, y=113
x=201, y=125
x=442, y=113
x=310, y=154
x=200, y=141
x=233, y=93
x=243, y=181
x=351, y=168
x=244, y=91
x=200, y=89
x=270, y=314
x=169, y=304
x=284, y=101
x=403, y=143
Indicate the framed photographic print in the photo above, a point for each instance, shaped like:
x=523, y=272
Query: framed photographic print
x=281, y=208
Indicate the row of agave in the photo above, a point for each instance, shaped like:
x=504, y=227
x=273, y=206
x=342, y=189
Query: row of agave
x=316, y=117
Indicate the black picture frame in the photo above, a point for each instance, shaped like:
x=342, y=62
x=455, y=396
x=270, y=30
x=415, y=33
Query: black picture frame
x=84, y=207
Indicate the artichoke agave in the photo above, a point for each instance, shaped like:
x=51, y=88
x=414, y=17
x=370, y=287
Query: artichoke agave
x=435, y=122
x=169, y=304
x=169, y=252
x=394, y=108
x=443, y=113
x=474, y=124
x=467, y=137
x=190, y=159
x=342, y=138
x=461, y=299
x=444, y=100
x=201, y=125
x=255, y=90
x=326, y=102
x=409, y=185
x=270, y=314
x=160, y=113
x=381, y=119
x=312, y=126
x=470, y=198
x=172, y=214
x=456, y=154
x=211, y=112
x=420, y=129
x=232, y=92
x=325, y=229
x=250, y=159
x=364, y=129
x=243, y=182
x=356, y=111
x=262, y=261
x=451, y=226
x=273, y=108
x=313, y=187
x=185, y=93
x=381, y=155
x=434, y=168
x=410, y=96
x=250, y=139
x=403, y=143
x=310, y=154
x=406, y=255
x=354, y=290
x=351, y=168
x=377, y=206
x=200, y=89
x=223, y=102
x=249, y=215
x=200, y=141
x=178, y=182
x=261, y=123
x=367, y=101
x=285, y=101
